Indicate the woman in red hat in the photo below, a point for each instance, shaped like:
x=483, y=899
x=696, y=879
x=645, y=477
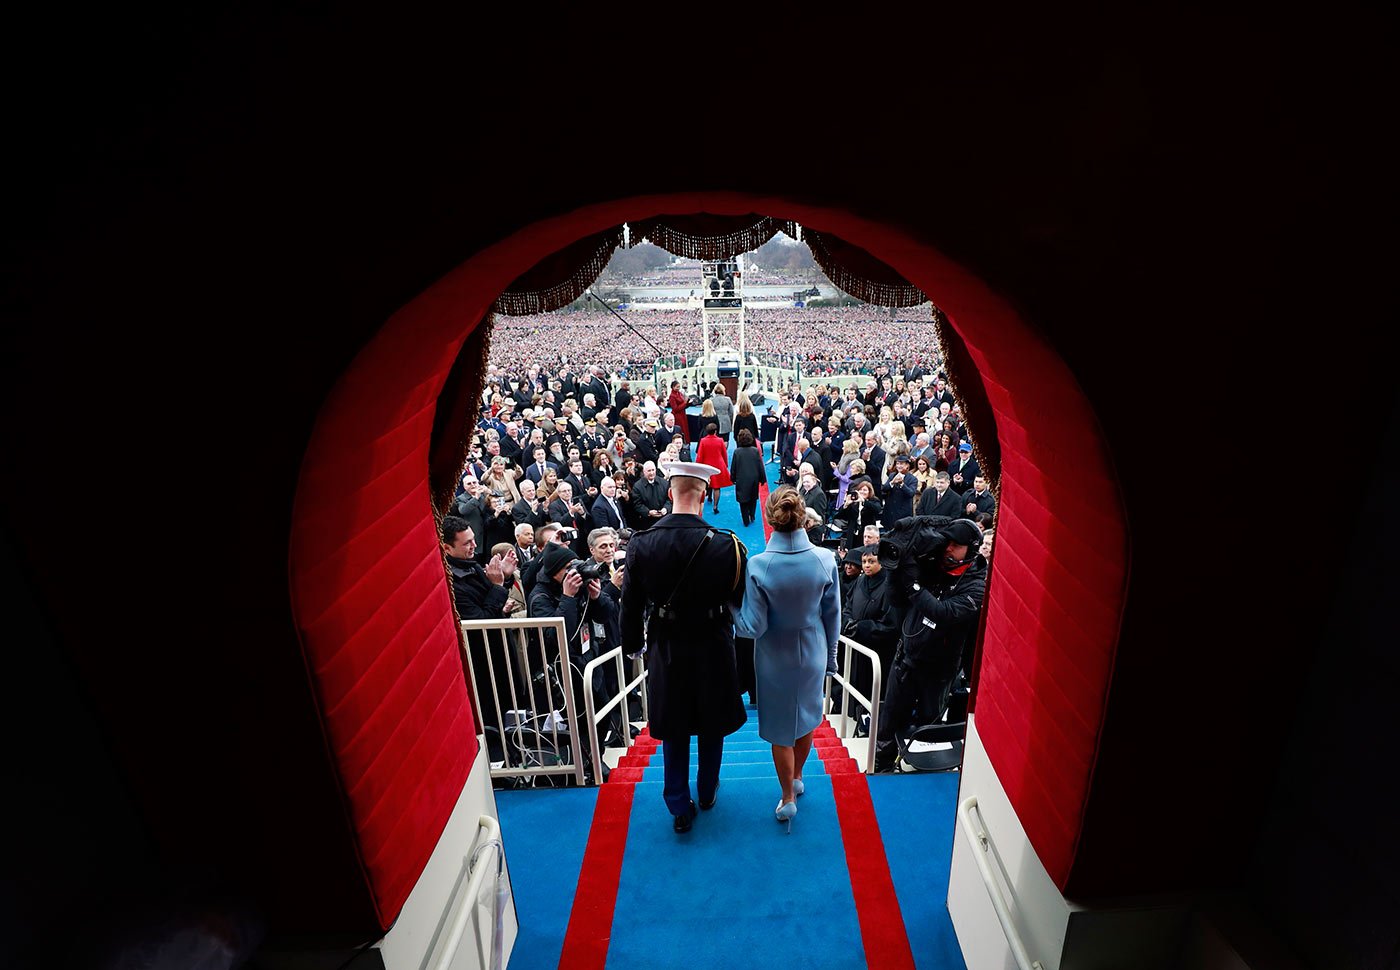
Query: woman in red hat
x=713, y=451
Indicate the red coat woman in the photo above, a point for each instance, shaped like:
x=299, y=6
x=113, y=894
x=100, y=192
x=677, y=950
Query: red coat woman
x=676, y=402
x=715, y=452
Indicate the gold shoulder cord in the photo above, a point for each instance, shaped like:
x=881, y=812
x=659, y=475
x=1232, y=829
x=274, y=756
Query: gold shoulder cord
x=738, y=561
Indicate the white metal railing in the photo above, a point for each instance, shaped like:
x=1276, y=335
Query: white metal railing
x=515, y=651
x=849, y=693
x=593, y=718
x=465, y=909
x=982, y=847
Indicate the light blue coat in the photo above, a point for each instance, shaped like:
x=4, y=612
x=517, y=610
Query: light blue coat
x=792, y=610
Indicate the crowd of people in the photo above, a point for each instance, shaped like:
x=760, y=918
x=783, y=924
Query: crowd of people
x=821, y=338
x=570, y=460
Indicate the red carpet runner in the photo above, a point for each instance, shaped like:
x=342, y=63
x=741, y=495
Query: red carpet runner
x=883, y=934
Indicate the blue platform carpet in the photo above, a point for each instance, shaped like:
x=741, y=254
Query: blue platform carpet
x=917, y=813
x=736, y=890
x=544, y=832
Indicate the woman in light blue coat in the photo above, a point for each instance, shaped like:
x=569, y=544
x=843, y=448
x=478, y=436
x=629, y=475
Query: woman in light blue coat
x=792, y=610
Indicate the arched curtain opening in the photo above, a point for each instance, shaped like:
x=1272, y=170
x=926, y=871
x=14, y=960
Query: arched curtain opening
x=563, y=277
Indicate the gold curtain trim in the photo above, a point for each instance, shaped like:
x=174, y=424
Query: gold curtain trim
x=678, y=243
x=524, y=302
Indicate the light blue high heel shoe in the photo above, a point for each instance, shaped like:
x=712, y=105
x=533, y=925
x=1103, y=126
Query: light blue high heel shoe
x=797, y=787
x=785, y=813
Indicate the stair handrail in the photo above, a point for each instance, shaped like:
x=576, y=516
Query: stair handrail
x=537, y=624
x=445, y=952
x=592, y=718
x=871, y=704
x=979, y=837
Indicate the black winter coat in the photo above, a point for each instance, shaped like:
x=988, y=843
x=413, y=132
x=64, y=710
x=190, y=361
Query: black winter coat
x=746, y=469
x=692, y=675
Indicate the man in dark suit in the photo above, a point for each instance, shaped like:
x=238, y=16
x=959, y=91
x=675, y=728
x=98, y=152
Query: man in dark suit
x=662, y=436
x=524, y=543
x=606, y=510
x=649, y=496
x=510, y=443
x=898, y=493
x=941, y=498
x=873, y=456
x=539, y=464
x=529, y=509
x=965, y=469
x=979, y=499
x=571, y=514
x=583, y=486
x=596, y=386
x=798, y=449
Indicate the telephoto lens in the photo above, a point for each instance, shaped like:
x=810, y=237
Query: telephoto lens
x=588, y=569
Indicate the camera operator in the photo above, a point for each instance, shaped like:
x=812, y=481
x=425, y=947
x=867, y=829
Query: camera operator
x=940, y=595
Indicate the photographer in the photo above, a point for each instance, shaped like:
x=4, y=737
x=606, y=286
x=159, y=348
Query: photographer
x=499, y=523
x=938, y=589
x=861, y=508
x=606, y=627
x=501, y=477
x=570, y=588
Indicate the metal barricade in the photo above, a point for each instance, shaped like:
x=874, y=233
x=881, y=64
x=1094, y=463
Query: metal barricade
x=845, y=724
x=593, y=718
x=527, y=720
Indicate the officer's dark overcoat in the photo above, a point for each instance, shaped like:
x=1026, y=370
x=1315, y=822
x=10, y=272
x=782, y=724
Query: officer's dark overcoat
x=692, y=680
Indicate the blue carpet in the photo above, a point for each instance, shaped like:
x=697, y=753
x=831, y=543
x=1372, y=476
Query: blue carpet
x=917, y=813
x=728, y=518
x=736, y=890
x=544, y=831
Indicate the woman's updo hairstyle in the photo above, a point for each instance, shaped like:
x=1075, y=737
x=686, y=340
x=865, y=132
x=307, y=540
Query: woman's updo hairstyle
x=786, y=512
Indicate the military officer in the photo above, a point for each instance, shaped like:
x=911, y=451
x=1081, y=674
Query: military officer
x=591, y=439
x=683, y=574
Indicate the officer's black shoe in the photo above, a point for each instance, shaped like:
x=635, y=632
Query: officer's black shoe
x=706, y=806
x=681, y=823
